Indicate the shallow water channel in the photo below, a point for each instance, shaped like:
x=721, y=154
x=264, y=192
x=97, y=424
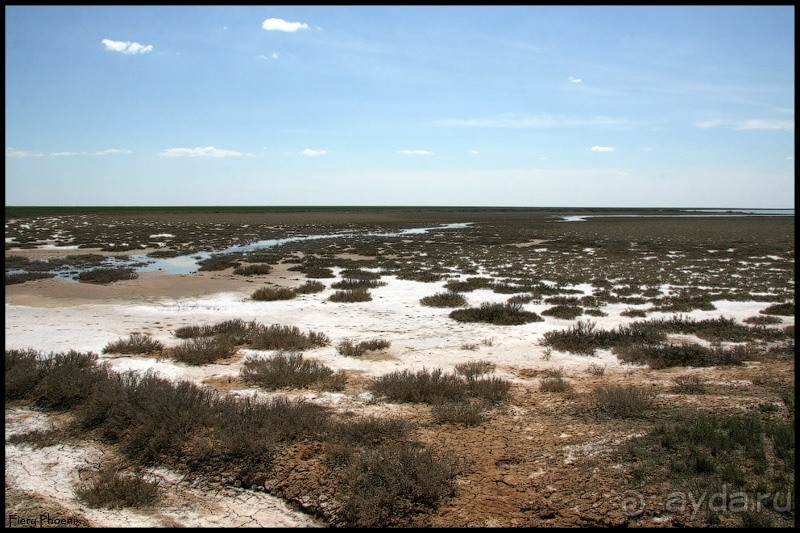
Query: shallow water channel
x=188, y=264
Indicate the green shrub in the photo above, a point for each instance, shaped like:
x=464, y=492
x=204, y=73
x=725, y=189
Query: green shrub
x=623, y=401
x=386, y=485
x=355, y=284
x=444, y=299
x=269, y=294
x=14, y=279
x=203, y=350
x=310, y=287
x=500, y=313
x=103, y=276
x=347, y=347
x=425, y=386
x=671, y=355
x=567, y=312
x=187, y=332
x=114, y=489
x=351, y=295
x=288, y=338
x=216, y=263
x=137, y=343
x=784, y=309
x=290, y=370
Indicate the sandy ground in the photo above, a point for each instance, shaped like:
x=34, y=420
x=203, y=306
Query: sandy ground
x=58, y=315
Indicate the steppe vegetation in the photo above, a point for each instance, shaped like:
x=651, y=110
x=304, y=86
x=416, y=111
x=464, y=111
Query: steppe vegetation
x=667, y=426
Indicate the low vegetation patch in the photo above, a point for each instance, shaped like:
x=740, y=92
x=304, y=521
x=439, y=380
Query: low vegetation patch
x=103, y=276
x=14, y=279
x=136, y=343
x=310, y=287
x=270, y=294
x=349, y=348
x=504, y=314
x=689, y=354
x=351, y=295
x=252, y=270
x=692, y=384
x=583, y=337
x=290, y=370
x=784, y=309
x=566, y=312
x=113, y=488
x=436, y=387
x=444, y=299
x=623, y=401
x=203, y=350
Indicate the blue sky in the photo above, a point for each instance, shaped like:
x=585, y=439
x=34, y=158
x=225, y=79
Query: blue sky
x=585, y=106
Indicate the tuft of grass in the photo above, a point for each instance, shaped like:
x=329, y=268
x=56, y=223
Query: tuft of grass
x=623, y=401
x=553, y=381
x=137, y=343
x=444, y=299
x=271, y=294
x=504, y=314
x=474, y=369
x=692, y=384
x=595, y=369
x=290, y=370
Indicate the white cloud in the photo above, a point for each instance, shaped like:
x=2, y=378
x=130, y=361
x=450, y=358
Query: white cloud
x=13, y=152
x=542, y=121
x=751, y=124
x=310, y=152
x=112, y=151
x=282, y=25
x=758, y=124
x=474, y=152
x=208, y=151
x=127, y=47
x=415, y=152
x=573, y=79
x=602, y=148
x=66, y=154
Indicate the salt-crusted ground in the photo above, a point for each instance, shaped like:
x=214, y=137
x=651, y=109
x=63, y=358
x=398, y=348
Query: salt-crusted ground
x=57, y=315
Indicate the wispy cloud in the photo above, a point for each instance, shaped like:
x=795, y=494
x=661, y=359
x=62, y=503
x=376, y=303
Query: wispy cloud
x=310, y=152
x=474, y=152
x=573, y=79
x=282, y=25
x=541, y=121
x=13, y=152
x=750, y=124
x=602, y=148
x=208, y=151
x=98, y=153
x=127, y=47
x=415, y=152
